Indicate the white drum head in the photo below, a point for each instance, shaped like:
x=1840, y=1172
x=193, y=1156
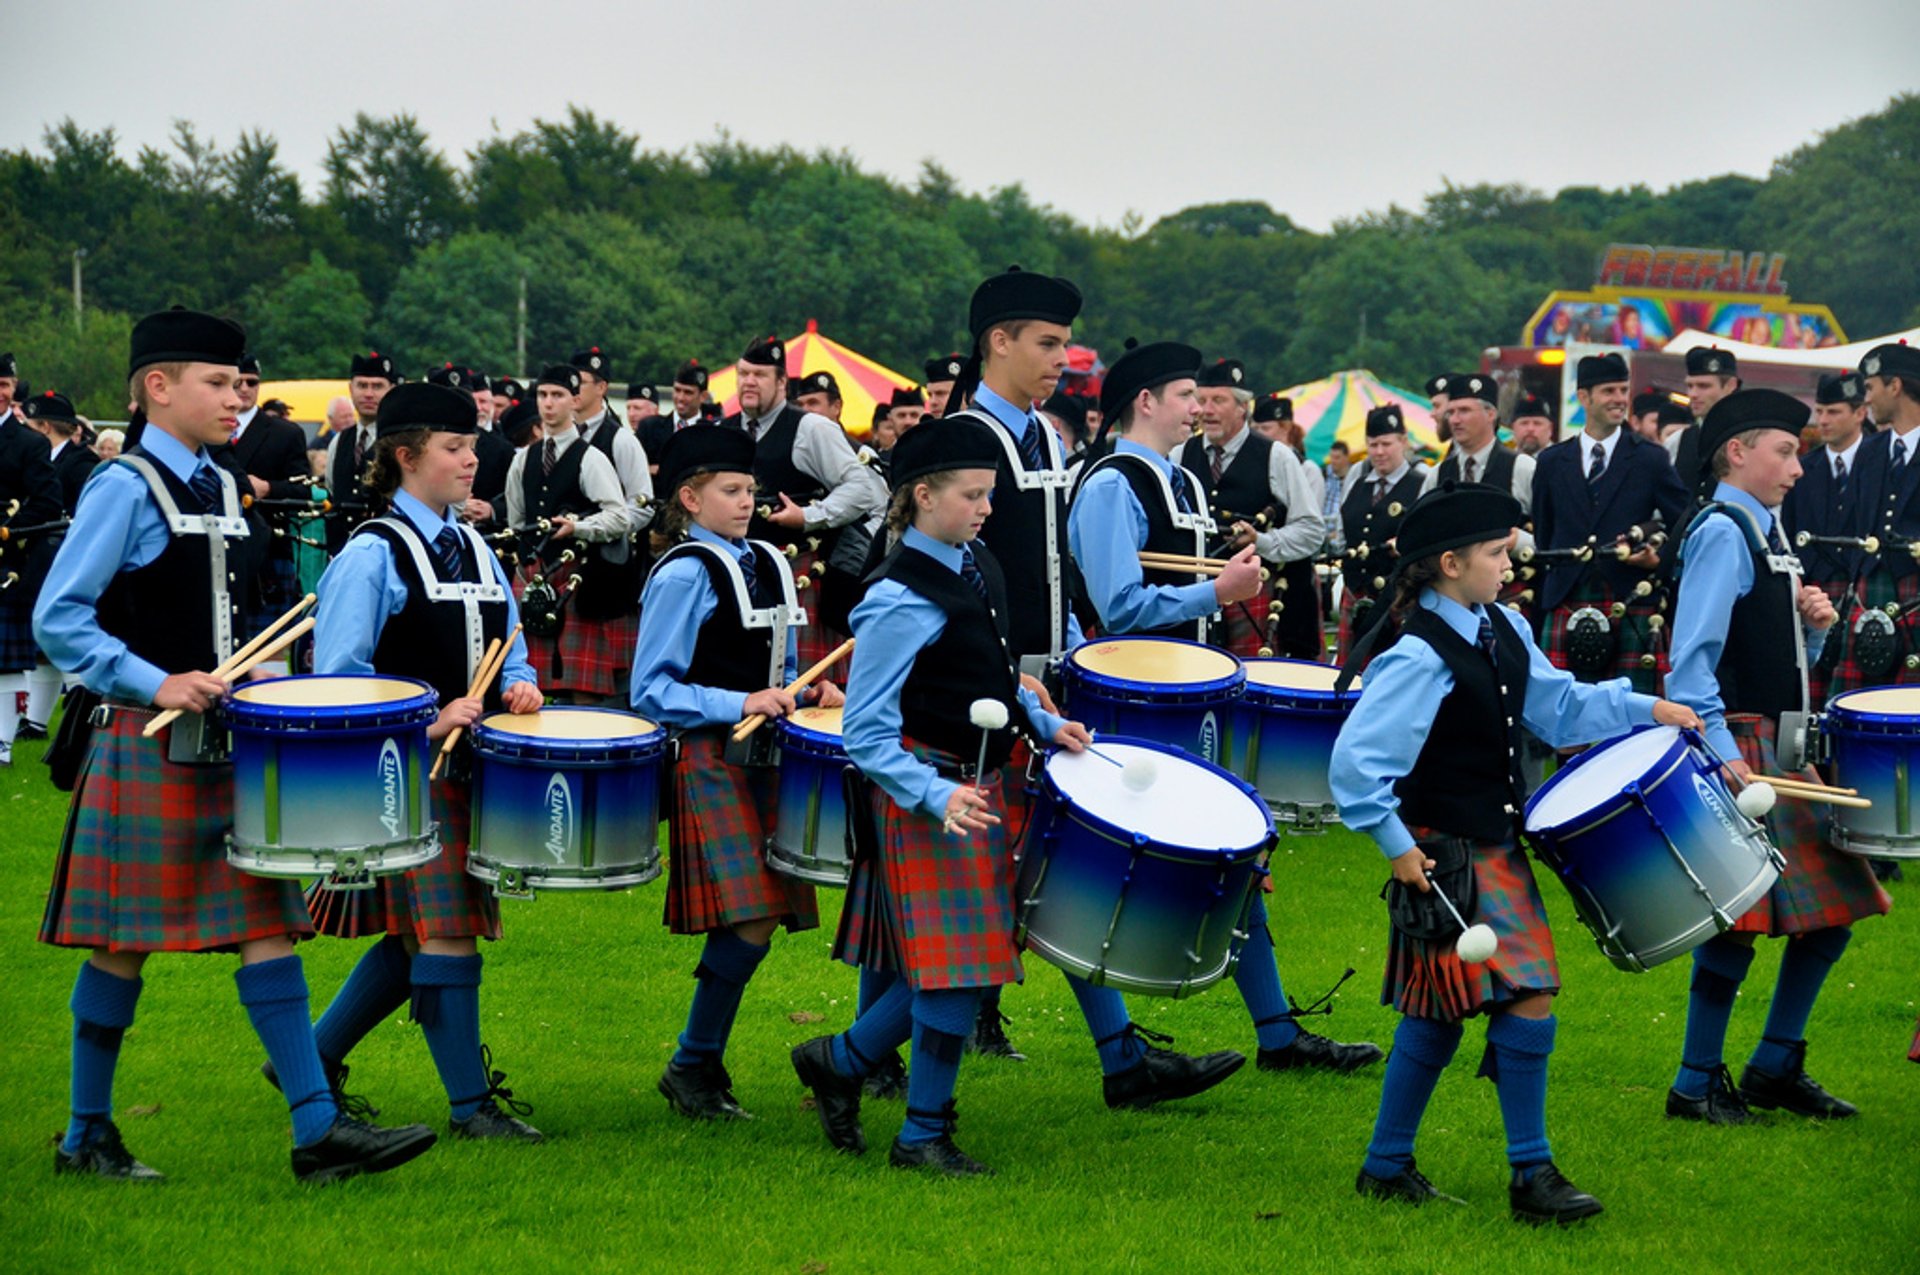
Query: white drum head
x=570, y=723
x=322, y=691
x=1611, y=769
x=1296, y=675
x=1187, y=805
x=1893, y=701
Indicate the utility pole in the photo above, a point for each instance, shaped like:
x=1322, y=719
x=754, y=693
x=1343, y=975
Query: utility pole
x=520, y=333
x=79, y=326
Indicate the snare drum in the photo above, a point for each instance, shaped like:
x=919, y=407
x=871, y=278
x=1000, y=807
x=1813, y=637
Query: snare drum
x=809, y=841
x=1144, y=891
x=1165, y=689
x=1873, y=739
x=566, y=799
x=1647, y=839
x=1283, y=732
x=330, y=777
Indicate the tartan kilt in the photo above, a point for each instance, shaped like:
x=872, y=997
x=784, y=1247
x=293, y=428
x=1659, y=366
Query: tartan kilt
x=1820, y=671
x=720, y=819
x=936, y=908
x=1820, y=887
x=589, y=658
x=1345, y=642
x=143, y=864
x=817, y=638
x=1427, y=980
x=1244, y=629
x=1875, y=589
x=1634, y=636
x=18, y=651
x=437, y=900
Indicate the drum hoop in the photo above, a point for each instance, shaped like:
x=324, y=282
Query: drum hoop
x=499, y=741
x=815, y=743
x=1194, y=856
x=1864, y=720
x=258, y=715
x=1212, y=686
x=1303, y=699
x=1622, y=806
x=430, y=835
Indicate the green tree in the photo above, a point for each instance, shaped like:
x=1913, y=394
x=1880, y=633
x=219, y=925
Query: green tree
x=311, y=323
x=393, y=193
x=456, y=301
x=598, y=279
x=89, y=366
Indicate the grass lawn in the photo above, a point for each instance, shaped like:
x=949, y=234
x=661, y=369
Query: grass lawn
x=585, y=996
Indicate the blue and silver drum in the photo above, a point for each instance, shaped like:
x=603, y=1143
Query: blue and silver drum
x=330, y=777
x=1140, y=867
x=809, y=841
x=566, y=799
x=1283, y=732
x=1645, y=836
x=1872, y=737
x=1166, y=689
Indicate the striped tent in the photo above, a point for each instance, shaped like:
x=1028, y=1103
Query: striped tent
x=1336, y=406
x=862, y=381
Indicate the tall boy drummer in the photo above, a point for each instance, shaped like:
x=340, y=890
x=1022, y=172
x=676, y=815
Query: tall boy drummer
x=1429, y=766
x=1743, y=631
x=417, y=594
x=139, y=603
x=718, y=644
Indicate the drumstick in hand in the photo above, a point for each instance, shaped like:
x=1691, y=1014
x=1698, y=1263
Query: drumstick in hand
x=751, y=724
x=226, y=668
x=490, y=665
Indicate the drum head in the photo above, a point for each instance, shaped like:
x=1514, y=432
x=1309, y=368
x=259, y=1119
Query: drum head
x=817, y=721
x=329, y=691
x=1600, y=775
x=1188, y=806
x=579, y=725
x=1155, y=661
x=1888, y=701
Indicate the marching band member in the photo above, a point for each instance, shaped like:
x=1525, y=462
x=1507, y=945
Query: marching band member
x=50, y=415
x=29, y=486
x=370, y=377
x=1880, y=634
x=1376, y=498
x=1821, y=504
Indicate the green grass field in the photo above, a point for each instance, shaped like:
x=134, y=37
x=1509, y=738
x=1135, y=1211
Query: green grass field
x=585, y=996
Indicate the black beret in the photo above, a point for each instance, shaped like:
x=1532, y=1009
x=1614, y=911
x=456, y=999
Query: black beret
x=1532, y=405
x=1842, y=387
x=1022, y=294
x=249, y=365
x=458, y=378
x=373, y=364
x=1711, y=360
x=1675, y=411
x=508, y=386
x=1386, y=419
x=880, y=412
x=1227, y=374
x=945, y=368
x=185, y=336
x=704, y=449
x=1471, y=385
x=518, y=421
x=1437, y=385
x=1896, y=359
x=1068, y=407
x=691, y=373
x=1455, y=515
x=593, y=362
x=958, y=443
x=712, y=412
x=1743, y=410
x=1648, y=400
x=50, y=405
x=8, y=368
x=767, y=351
x=1145, y=367
x=425, y=405
x=564, y=375
x=908, y=397
x=1600, y=369
x=816, y=383
x=1273, y=407
x=477, y=380
x=648, y=393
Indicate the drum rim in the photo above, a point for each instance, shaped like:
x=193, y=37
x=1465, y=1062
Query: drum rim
x=1314, y=696
x=1607, y=807
x=1105, y=827
x=1845, y=718
x=252, y=715
x=792, y=732
x=487, y=739
x=1072, y=668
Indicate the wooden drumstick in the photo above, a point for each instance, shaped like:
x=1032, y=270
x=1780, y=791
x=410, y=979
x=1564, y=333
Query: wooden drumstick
x=1819, y=796
x=748, y=725
x=271, y=649
x=226, y=668
x=490, y=665
x=1807, y=785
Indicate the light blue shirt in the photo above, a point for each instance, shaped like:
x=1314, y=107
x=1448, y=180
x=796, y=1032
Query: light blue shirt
x=1107, y=529
x=116, y=527
x=678, y=599
x=1716, y=570
x=362, y=590
x=1015, y=422
x=1400, y=696
x=891, y=626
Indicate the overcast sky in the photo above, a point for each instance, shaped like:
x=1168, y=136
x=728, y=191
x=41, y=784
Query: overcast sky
x=1099, y=109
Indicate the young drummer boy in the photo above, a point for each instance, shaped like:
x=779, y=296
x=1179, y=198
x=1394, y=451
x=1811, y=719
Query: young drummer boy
x=394, y=602
x=139, y=605
x=1744, y=629
x=1428, y=765
x=718, y=643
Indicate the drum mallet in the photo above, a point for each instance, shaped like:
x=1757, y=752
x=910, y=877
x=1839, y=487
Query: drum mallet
x=1477, y=942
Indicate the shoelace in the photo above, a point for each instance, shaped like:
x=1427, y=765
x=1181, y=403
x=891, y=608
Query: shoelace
x=497, y=1092
x=1321, y=1004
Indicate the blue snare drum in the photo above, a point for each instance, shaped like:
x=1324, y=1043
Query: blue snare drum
x=809, y=840
x=1648, y=841
x=566, y=799
x=1165, y=689
x=330, y=777
x=1873, y=739
x=1146, y=891
x=1283, y=732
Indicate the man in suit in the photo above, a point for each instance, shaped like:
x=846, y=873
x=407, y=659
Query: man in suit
x=1876, y=645
x=369, y=377
x=1712, y=374
x=1821, y=504
x=31, y=491
x=1377, y=498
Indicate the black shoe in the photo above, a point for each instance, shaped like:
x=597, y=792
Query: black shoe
x=1794, y=1090
x=939, y=1155
x=1549, y=1197
x=703, y=1091
x=491, y=1122
x=1409, y=1185
x=29, y=730
x=1721, y=1105
x=350, y=1104
x=1163, y=1075
x=353, y=1147
x=835, y=1097
x=104, y=1156
x=1884, y=869
x=990, y=1036
x=888, y=1080
x=1309, y=1050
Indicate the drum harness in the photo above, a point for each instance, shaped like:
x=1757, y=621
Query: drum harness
x=1056, y=478
x=758, y=749
x=468, y=594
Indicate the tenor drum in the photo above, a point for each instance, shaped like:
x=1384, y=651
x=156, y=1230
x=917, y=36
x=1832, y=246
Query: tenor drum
x=1166, y=689
x=1284, y=726
x=1873, y=739
x=809, y=840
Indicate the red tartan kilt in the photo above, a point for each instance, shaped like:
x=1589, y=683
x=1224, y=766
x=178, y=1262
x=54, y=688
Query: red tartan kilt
x=1344, y=646
x=1427, y=980
x=1876, y=589
x=1634, y=638
x=816, y=640
x=720, y=820
x=1820, y=887
x=437, y=900
x=143, y=864
x=1820, y=671
x=589, y=658
x=1244, y=629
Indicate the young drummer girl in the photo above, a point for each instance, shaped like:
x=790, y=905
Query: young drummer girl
x=1428, y=766
x=938, y=905
x=392, y=602
x=707, y=659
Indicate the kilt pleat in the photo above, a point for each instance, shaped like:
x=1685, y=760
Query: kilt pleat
x=1635, y=637
x=1428, y=980
x=589, y=658
x=721, y=818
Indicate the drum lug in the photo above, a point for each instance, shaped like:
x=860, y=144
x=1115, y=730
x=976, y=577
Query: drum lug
x=511, y=883
x=349, y=873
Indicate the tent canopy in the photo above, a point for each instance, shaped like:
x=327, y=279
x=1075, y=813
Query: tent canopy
x=862, y=381
x=1336, y=407
x=1832, y=356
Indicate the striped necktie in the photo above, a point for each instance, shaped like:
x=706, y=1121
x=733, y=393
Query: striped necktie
x=1030, y=451
x=970, y=572
x=206, y=485
x=446, y=555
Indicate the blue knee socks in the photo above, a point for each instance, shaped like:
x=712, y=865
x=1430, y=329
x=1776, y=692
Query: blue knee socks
x=102, y=1011
x=381, y=982
x=1107, y=1021
x=1258, y=978
x=942, y=1021
x=873, y=985
x=1719, y=966
x=881, y=1028
x=275, y=994
x=1803, y=968
x=726, y=967
x=1520, y=1049
x=1422, y=1048
x=446, y=1004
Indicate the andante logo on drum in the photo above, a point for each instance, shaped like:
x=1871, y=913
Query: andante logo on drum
x=559, y=804
x=1719, y=808
x=1210, y=738
x=393, y=791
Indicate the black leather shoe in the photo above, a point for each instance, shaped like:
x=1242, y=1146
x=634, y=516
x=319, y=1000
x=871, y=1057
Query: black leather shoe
x=350, y=1104
x=491, y=1122
x=888, y=1080
x=939, y=1155
x=1793, y=1090
x=835, y=1097
x=353, y=1147
x=703, y=1091
x=1721, y=1105
x=1163, y=1076
x=1409, y=1186
x=1309, y=1050
x=105, y=1156
x=990, y=1036
x=1549, y=1197
x=29, y=730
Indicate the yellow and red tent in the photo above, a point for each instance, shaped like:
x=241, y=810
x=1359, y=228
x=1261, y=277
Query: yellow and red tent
x=863, y=382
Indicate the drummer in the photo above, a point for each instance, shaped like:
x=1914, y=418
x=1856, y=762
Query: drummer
x=1743, y=631
x=378, y=614
x=1413, y=768
x=705, y=661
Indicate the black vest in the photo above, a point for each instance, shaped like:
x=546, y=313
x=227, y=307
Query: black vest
x=727, y=653
x=544, y=495
x=1499, y=471
x=1757, y=672
x=1162, y=535
x=1245, y=490
x=428, y=639
x=775, y=474
x=1366, y=523
x=1016, y=532
x=350, y=496
x=1467, y=781
x=970, y=659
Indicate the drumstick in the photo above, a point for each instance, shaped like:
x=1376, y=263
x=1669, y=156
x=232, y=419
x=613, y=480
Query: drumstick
x=1820, y=797
x=490, y=666
x=1183, y=559
x=1807, y=785
x=225, y=668
x=1199, y=566
x=751, y=724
